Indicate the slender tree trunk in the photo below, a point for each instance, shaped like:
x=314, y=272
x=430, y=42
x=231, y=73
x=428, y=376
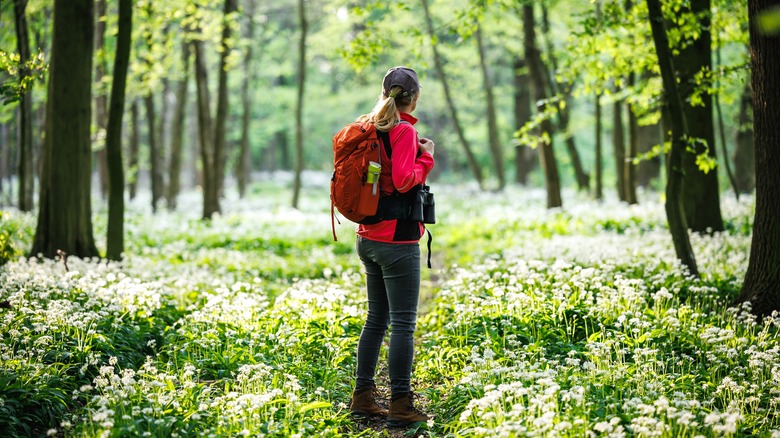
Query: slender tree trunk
x=536, y=71
x=25, y=145
x=244, y=160
x=299, y=102
x=5, y=147
x=629, y=168
x=220, y=145
x=101, y=99
x=273, y=150
x=763, y=274
x=648, y=169
x=619, y=147
x=582, y=178
x=701, y=195
x=177, y=132
x=155, y=158
x=115, y=244
x=155, y=149
x=439, y=64
x=525, y=157
x=65, y=213
x=493, y=140
x=721, y=126
x=599, y=149
x=135, y=146
x=674, y=211
x=206, y=136
x=745, y=152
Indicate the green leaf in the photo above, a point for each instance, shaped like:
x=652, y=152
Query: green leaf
x=769, y=21
x=314, y=405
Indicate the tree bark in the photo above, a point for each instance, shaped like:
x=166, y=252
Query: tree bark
x=722, y=128
x=177, y=131
x=155, y=149
x=525, y=157
x=582, y=177
x=243, y=166
x=205, y=135
x=629, y=168
x=4, y=161
x=220, y=145
x=619, y=147
x=135, y=146
x=155, y=158
x=101, y=98
x=599, y=149
x=763, y=274
x=299, y=103
x=745, y=152
x=674, y=212
x=648, y=169
x=115, y=244
x=25, y=144
x=439, y=65
x=701, y=195
x=536, y=71
x=493, y=141
x=65, y=213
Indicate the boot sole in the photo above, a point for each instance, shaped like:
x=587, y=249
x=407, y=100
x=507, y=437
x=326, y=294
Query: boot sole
x=391, y=422
x=364, y=415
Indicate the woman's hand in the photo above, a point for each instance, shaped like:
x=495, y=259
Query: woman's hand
x=426, y=145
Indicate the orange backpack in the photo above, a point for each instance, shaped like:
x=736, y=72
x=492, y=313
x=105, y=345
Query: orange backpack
x=351, y=190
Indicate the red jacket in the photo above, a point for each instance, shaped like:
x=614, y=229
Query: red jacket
x=407, y=168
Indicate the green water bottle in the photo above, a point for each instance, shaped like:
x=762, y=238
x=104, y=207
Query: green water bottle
x=374, y=169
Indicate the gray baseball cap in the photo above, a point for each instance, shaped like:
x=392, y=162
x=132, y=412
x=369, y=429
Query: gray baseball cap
x=403, y=77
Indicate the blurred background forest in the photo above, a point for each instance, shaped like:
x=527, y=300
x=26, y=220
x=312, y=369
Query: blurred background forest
x=600, y=87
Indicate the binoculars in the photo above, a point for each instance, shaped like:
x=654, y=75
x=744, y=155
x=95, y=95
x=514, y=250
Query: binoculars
x=423, y=206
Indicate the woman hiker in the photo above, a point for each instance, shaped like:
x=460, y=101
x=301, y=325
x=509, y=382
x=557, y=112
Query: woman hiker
x=390, y=252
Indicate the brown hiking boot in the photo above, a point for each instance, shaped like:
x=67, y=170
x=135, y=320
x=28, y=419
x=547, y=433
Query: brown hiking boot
x=402, y=411
x=364, y=403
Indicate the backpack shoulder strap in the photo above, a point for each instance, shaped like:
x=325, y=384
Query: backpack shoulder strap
x=384, y=136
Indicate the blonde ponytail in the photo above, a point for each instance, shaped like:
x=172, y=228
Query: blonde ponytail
x=385, y=114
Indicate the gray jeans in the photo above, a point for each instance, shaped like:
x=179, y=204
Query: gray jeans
x=393, y=285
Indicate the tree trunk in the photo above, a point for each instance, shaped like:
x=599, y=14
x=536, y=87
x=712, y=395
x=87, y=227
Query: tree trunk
x=299, y=103
x=493, y=140
x=525, y=157
x=629, y=168
x=244, y=160
x=536, y=71
x=674, y=212
x=439, y=64
x=5, y=147
x=745, y=152
x=649, y=136
x=220, y=145
x=582, y=178
x=115, y=245
x=701, y=195
x=763, y=274
x=101, y=99
x=599, y=149
x=205, y=135
x=65, y=213
x=135, y=146
x=25, y=144
x=619, y=147
x=177, y=131
x=155, y=148
x=722, y=128
x=155, y=158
